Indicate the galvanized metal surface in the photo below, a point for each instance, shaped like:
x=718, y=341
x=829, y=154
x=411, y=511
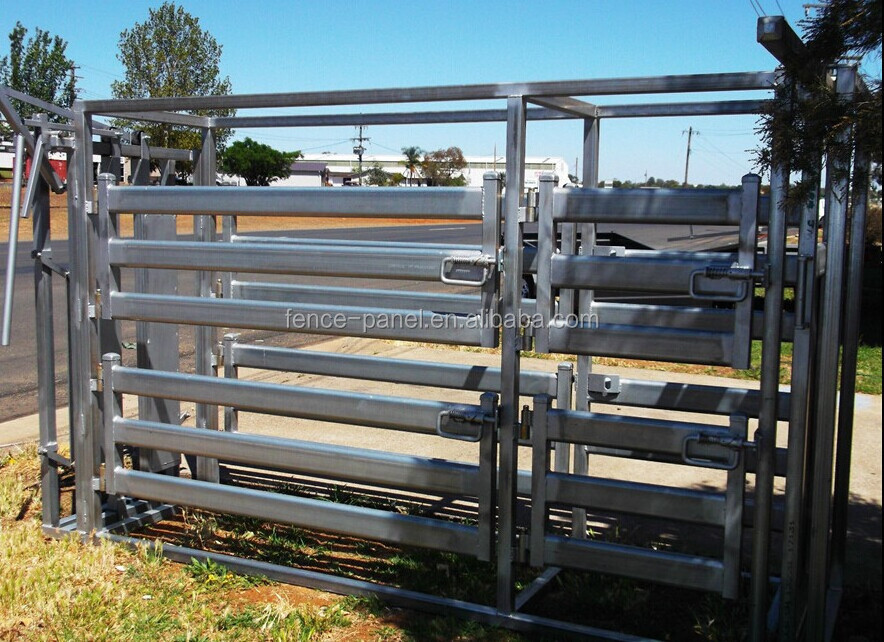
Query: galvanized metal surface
x=567, y=277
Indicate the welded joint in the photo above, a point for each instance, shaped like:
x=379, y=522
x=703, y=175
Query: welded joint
x=605, y=250
x=51, y=265
x=604, y=384
x=50, y=453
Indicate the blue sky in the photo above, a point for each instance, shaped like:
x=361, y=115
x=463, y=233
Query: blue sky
x=306, y=46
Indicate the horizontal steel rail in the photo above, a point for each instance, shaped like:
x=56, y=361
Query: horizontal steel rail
x=647, y=206
x=368, y=202
x=637, y=275
x=391, y=594
x=419, y=373
x=695, y=506
x=279, y=240
x=357, y=297
x=685, y=318
x=334, y=461
x=714, y=108
x=656, y=566
x=331, y=320
x=638, y=342
x=323, y=516
x=379, y=411
x=634, y=433
x=739, y=81
x=316, y=260
x=684, y=397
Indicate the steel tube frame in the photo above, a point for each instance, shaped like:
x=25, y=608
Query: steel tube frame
x=740, y=81
x=394, y=413
x=306, y=457
x=443, y=202
x=12, y=246
x=331, y=320
x=206, y=203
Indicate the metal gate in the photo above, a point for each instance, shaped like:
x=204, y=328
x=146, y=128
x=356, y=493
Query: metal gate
x=127, y=469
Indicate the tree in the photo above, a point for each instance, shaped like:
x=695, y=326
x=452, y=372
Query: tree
x=168, y=55
x=40, y=68
x=375, y=175
x=443, y=167
x=257, y=163
x=412, y=162
x=797, y=132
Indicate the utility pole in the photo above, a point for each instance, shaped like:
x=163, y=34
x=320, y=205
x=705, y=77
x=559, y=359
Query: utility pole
x=359, y=149
x=687, y=157
x=687, y=160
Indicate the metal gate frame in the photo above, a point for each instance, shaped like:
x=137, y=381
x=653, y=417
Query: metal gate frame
x=824, y=276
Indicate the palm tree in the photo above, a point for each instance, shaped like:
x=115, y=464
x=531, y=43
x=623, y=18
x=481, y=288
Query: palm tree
x=412, y=161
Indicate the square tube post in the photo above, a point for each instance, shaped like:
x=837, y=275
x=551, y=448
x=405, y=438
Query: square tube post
x=791, y=575
x=510, y=352
x=205, y=336
x=584, y=308
x=766, y=434
x=45, y=341
x=81, y=306
x=827, y=381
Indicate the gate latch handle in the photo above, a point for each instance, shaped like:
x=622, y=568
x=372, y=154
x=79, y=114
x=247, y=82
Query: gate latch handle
x=736, y=444
x=484, y=261
x=736, y=272
x=461, y=416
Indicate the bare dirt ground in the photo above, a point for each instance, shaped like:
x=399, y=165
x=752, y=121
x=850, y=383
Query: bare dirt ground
x=59, y=220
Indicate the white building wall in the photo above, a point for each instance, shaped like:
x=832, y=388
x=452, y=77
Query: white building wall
x=339, y=164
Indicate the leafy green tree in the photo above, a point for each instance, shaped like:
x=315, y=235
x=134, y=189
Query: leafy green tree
x=167, y=55
x=38, y=67
x=412, y=162
x=444, y=167
x=375, y=175
x=257, y=163
x=806, y=118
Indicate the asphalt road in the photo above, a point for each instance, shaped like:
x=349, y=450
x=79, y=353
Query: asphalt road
x=18, y=369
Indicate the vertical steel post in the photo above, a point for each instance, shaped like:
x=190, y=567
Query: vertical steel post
x=539, y=469
x=511, y=352
x=231, y=371
x=83, y=374
x=846, y=404
x=113, y=408
x=766, y=435
x=584, y=307
x=45, y=341
x=564, y=388
x=802, y=369
x=490, y=247
x=12, y=246
x=827, y=379
x=205, y=337
x=157, y=342
x=487, y=478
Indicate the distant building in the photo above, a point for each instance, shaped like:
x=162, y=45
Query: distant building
x=336, y=170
